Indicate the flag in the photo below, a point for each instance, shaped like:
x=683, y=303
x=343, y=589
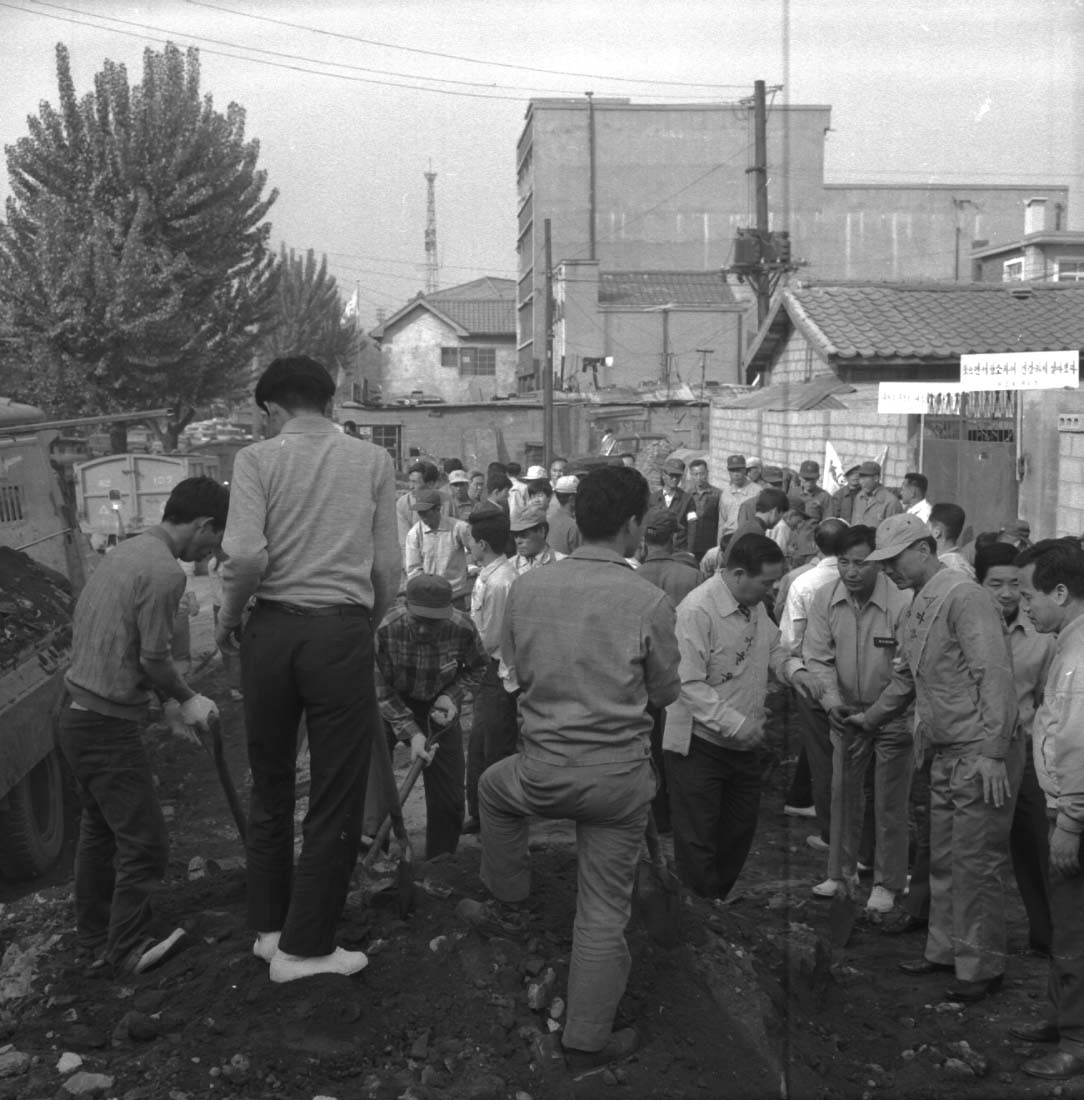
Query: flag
x=353, y=306
x=833, y=477
x=882, y=458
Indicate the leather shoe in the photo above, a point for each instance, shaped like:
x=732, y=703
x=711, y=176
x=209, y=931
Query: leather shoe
x=923, y=966
x=971, y=992
x=1058, y=1065
x=1035, y=1031
x=899, y=922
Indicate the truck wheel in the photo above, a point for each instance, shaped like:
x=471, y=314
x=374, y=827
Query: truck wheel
x=32, y=821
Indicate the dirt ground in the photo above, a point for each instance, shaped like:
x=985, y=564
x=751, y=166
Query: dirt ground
x=751, y=1004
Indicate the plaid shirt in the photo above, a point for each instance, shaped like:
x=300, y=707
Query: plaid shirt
x=412, y=671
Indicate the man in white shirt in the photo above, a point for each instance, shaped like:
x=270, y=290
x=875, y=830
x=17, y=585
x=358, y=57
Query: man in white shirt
x=946, y=523
x=437, y=545
x=913, y=496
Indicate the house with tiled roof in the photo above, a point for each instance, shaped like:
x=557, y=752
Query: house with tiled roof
x=1047, y=252
x=456, y=345
x=998, y=454
x=646, y=330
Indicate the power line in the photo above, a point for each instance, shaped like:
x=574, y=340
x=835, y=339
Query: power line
x=456, y=57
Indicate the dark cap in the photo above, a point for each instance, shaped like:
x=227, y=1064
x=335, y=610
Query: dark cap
x=869, y=469
x=735, y=462
x=533, y=515
x=809, y=468
x=295, y=373
x=660, y=523
x=485, y=511
x=426, y=499
x=772, y=474
x=673, y=466
x=429, y=597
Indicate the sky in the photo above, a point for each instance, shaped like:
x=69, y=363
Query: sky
x=353, y=102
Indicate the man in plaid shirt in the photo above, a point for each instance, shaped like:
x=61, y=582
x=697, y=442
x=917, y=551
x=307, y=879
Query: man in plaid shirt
x=428, y=657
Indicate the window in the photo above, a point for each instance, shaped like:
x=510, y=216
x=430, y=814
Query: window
x=388, y=436
x=1070, y=271
x=11, y=503
x=1012, y=271
x=471, y=362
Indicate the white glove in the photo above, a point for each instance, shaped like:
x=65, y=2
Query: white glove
x=172, y=712
x=443, y=712
x=198, y=711
x=418, y=751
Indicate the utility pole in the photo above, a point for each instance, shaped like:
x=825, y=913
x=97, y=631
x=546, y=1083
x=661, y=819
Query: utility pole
x=703, y=353
x=760, y=183
x=431, y=265
x=592, y=212
x=547, y=364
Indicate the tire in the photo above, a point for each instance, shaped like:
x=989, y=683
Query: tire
x=32, y=821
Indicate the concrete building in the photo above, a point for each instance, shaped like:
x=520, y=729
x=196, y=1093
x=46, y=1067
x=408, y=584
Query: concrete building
x=643, y=187
x=1047, y=252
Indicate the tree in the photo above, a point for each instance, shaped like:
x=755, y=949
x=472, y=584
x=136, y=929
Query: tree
x=134, y=266
x=309, y=317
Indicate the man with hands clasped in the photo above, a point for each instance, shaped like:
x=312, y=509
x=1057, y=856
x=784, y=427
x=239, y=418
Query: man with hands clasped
x=956, y=665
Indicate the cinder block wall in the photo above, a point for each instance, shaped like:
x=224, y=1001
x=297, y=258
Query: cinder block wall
x=1069, y=517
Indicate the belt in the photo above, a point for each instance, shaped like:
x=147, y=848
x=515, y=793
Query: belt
x=342, y=610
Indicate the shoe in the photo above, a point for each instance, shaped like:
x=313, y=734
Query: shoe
x=881, y=900
x=1058, y=1065
x=817, y=843
x=899, y=922
x=800, y=811
x=471, y=827
x=619, y=1045
x=265, y=945
x=973, y=992
x=154, y=954
x=831, y=886
x=492, y=918
x=923, y=966
x=864, y=868
x=288, y=968
x=1035, y=1031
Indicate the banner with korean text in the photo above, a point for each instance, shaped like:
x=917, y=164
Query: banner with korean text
x=1023, y=370
x=918, y=398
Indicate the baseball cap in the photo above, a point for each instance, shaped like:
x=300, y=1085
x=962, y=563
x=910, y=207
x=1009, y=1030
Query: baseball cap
x=869, y=469
x=536, y=473
x=809, y=468
x=660, y=523
x=772, y=474
x=486, y=510
x=424, y=499
x=752, y=460
x=1018, y=529
x=568, y=483
x=673, y=466
x=735, y=462
x=459, y=477
x=531, y=516
x=429, y=597
x=895, y=534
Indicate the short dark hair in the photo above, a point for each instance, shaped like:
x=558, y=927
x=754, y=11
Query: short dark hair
x=295, y=382
x=558, y=458
x=537, y=488
x=496, y=467
x=920, y=481
x=451, y=464
x=564, y=498
x=513, y=469
x=698, y=462
x=770, y=498
x=430, y=474
x=752, y=552
x=858, y=535
x=496, y=481
x=951, y=517
x=195, y=497
x=1056, y=561
x=491, y=529
x=990, y=556
x=607, y=497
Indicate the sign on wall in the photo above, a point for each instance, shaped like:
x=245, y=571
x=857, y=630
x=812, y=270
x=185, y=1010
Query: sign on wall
x=1025, y=370
x=915, y=397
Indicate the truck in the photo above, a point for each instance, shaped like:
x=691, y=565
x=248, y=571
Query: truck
x=44, y=561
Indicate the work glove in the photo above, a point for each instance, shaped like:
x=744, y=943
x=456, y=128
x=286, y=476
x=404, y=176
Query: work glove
x=418, y=750
x=198, y=711
x=443, y=712
x=171, y=711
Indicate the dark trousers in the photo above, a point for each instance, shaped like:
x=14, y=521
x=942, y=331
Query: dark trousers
x=818, y=749
x=1065, y=987
x=660, y=804
x=714, y=798
x=443, y=781
x=123, y=846
x=917, y=902
x=1029, y=848
x=322, y=667
x=494, y=732
x=800, y=791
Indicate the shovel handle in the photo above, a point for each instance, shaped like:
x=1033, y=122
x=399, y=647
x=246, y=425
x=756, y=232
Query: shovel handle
x=213, y=744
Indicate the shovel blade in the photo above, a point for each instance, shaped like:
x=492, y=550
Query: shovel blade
x=658, y=904
x=841, y=918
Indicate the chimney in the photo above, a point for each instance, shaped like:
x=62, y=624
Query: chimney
x=1034, y=216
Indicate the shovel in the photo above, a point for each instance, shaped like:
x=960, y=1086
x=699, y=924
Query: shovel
x=212, y=742
x=404, y=872
x=657, y=892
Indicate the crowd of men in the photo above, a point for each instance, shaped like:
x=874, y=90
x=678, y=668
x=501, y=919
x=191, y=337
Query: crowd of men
x=617, y=642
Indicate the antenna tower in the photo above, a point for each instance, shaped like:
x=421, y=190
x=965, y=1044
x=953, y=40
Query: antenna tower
x=432, y=267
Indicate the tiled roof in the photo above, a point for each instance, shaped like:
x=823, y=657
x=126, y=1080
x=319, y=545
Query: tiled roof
x=479, y=317
x=486, y=287
x=937, y=321
x=817, y=393
x=643, y=289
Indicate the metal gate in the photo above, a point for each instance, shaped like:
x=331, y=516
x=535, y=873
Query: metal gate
x=969, y=455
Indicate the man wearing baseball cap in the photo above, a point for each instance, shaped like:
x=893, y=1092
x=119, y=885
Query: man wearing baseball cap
x=429, y=657
x=809, y=473
x=842, y=506
x=530, y=530
x=437, y=545
x=732, y=496
x=311, y=535
x=874, y=502
x=674, y=498
x=955, y=662
x=564, y=535
x=459, y=485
